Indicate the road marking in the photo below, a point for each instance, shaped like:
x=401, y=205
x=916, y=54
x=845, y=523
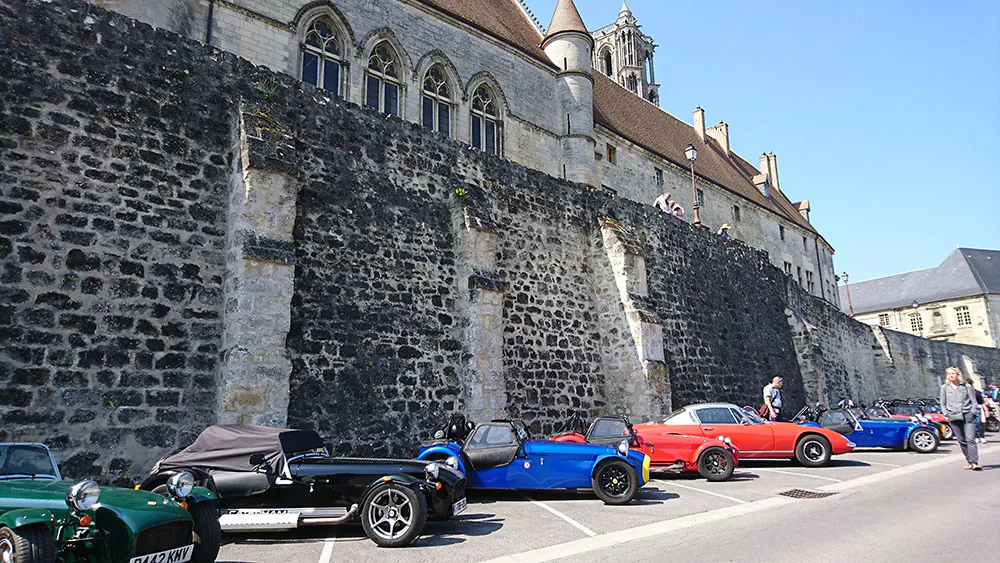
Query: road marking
x=880, y=463
x=569, y=520
x=798, y=474
x=603, y=541
x=327, y=554
x=672, y=484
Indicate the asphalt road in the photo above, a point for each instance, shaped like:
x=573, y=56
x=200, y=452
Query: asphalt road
x=887, y=506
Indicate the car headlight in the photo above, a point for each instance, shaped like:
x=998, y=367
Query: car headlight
x=82, y=496
x=180, y=484
x=452, y=461
x=432, y=470
x=623, y=447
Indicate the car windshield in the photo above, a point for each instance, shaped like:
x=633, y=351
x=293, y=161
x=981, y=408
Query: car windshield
x=878, y=412
x=25, y=460
x=750, y=415
x=858, y=413
x=609, y=428
x=932, y=409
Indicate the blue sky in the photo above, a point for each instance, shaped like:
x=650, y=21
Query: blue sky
x=884, y=115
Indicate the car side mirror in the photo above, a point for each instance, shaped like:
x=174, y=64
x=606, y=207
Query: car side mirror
x=256, y=460
x=745, y=422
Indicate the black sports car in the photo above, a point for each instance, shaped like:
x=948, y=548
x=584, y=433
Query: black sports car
x=274, y=479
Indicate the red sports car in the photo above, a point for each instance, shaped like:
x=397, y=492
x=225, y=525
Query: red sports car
x=755, y=437
x=714, y=459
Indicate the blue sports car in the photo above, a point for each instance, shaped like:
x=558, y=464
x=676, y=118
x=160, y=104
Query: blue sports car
x=884, y=433
x=501, y=455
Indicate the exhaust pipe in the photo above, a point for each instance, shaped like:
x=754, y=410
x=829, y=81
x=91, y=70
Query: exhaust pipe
x=351, y=514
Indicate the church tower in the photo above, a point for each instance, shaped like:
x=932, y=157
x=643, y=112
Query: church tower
x=625, y=54
x=569, y=45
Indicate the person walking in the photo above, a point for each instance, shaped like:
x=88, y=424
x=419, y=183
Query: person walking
x=958, y=403
x=771, y=409
x=980, y=411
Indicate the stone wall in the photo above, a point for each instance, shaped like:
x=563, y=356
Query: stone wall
x=188, y=239
x=113, y=174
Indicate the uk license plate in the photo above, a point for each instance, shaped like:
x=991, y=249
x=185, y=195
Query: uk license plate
x=177, y=555
x=459, y=507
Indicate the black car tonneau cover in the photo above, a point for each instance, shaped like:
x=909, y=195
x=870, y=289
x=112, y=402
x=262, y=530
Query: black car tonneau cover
x=228, y=447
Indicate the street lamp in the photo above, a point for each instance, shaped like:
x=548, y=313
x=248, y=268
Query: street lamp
x=847, y=287
x=692, y=154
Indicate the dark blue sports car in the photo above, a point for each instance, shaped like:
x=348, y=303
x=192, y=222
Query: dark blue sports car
x=883, y=433
x=501, y=455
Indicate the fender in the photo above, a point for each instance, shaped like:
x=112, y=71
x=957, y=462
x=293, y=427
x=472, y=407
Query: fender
x=639, y=472
x=405, y=480
x=27, y=516
x=201, y=494
x=451, y=450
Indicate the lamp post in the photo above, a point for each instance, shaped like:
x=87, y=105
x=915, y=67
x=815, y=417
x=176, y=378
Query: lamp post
x=848, y=288
x=692, y=153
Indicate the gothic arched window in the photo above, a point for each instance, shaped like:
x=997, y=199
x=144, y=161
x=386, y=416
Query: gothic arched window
x=437, y=101
x=606, y=62
x=485, y=122
x=632, y=84
x=322, y=62
x=382, y=80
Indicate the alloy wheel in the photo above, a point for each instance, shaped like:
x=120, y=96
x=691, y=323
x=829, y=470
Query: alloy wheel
x=390, y=514
x=6, y=551
x=716, y=463
x=614, y=480
x=923, y=441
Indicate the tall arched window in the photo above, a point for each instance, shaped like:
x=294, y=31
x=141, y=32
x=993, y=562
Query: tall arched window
x=606, y=61
x=322, y=62
x=632, y=83
x=485, y=122
x=437, y=102
x=382, y=80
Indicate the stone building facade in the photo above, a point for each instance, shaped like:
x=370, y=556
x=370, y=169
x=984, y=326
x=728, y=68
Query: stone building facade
x=188, y=239
x=956, y=301
x=541, y=87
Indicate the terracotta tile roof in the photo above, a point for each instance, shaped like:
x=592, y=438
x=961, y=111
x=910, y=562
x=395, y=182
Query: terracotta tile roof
x=566, y=18
x=648, y=126
x=503, y=19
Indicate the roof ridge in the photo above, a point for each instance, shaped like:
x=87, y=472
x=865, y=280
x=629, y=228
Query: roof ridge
x=531, y=17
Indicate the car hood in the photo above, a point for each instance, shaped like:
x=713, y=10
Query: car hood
x=888, y=423
x=414, y=467
x=139, y=509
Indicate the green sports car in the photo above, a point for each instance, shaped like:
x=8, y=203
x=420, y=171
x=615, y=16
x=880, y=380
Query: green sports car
x=44, y=519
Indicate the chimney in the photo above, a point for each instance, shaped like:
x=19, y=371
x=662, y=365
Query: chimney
x=699, y=122
x=769, y=166
x=803, y=207
x=772, y=165
x=720, y=133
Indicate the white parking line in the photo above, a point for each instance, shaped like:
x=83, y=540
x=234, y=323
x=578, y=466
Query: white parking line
x=327, y=554
x=798, y=474
x=569, y=520
x=672, y=484
x=880, y=463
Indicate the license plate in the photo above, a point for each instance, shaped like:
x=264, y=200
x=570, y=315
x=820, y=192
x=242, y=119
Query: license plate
x=178, y=555
x=459, y=507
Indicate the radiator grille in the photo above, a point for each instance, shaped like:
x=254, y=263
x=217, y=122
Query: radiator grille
x=163, y=537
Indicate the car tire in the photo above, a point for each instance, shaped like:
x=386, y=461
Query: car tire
x=391, y=503
x=27, y=544
x=948, y=432
x=608, y=482
x=208, y=532
x=813, y=450
x=923, y=440
x=716, y=464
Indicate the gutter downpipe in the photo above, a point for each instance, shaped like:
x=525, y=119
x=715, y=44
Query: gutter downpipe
x=208, y=28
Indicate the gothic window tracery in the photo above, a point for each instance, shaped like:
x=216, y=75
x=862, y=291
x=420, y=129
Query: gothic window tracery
x=486, y=124
x=437, y=101
x=322, y=61
x=382, y=81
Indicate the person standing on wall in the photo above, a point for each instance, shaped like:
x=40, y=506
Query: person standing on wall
x=771, y=409
x=981, y=411
x=958, y=403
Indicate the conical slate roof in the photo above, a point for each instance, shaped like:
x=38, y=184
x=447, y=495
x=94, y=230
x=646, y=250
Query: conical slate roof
x=566, y=18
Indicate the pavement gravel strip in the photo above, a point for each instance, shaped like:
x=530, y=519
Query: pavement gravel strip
x=586, y=545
